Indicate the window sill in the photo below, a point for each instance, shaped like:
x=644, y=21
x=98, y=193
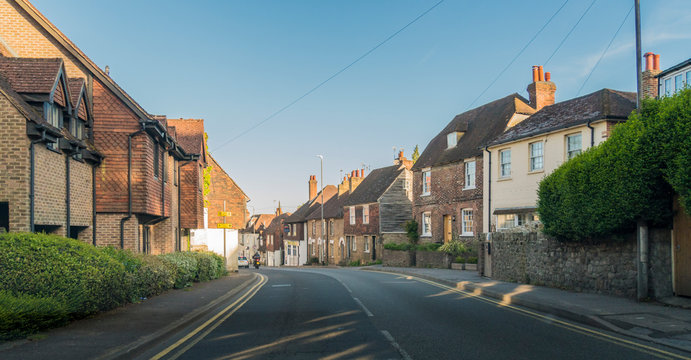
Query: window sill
x=506, y=178
x=539, y=171
x=426, y=235
x=466, y=234
x=469, y=188
x=425, y=194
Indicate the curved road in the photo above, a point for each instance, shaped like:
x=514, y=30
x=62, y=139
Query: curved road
x=350, y=314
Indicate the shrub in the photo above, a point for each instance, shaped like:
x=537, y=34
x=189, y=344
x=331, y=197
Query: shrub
x=354, y=263
x=630, y=177
x=185, y=268
x=428, y=247
x=454, y=248
x=314, y=260
x=75, y=274
x=21, y=315
x=411, y=231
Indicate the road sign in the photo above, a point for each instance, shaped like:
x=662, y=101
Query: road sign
x=224, y=213
x=224, y=226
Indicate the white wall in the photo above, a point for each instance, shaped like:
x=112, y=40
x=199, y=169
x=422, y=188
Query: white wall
x=213, y=240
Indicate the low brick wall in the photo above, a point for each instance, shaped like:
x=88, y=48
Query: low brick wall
x=606, y=268
x=397, y=258
x=432, y=259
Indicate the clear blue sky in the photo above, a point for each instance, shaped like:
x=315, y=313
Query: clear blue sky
x=234, y=63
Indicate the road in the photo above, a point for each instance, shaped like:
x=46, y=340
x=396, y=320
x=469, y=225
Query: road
x=350, y=314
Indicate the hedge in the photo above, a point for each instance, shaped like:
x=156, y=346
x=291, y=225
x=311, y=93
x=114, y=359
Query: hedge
x=630, y=177
x=48, y=280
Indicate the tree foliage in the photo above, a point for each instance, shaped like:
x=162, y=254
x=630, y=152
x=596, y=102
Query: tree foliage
x=630, y=177
x=416, y=154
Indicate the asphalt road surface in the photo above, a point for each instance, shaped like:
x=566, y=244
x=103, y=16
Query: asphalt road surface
x=350, y=314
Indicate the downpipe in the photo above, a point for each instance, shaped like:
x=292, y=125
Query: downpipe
x=129, y=185
x=32, y=180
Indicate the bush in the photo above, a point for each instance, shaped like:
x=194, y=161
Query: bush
x=454, y=248
x=630, y=177
x=354, y=263
x=21, y=315
x=72, y=273
x=314, y=260
x=411, y=227
x=185, y=266
x=428, y=247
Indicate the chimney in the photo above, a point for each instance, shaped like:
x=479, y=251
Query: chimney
x=343, y=187
x=278, y=209
x=313, y=186
x=403, y=161
x=541, y=90
x=355, y=181
x=649, y=82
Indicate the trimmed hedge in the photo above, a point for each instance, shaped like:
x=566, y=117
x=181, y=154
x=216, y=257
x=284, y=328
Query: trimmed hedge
x=48, y=280
x=632, y=176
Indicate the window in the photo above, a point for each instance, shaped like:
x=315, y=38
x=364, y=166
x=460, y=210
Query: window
x=53, y=114
x=366, y=243
x=536, y=160
x=426, y=182
x=678, y=83
x=365, y=214
x=156, y=160
x=354, y=241
x=573, y=146
x=352, y=215
x=289, y=248
x=505, y=163
x=426, y=224
x=469, y=175
x=175, y=172
x=467, y=223
x=331, y=227
x=314, y=227
x=688, y=78
x=451, y=140
x=508, y=221
x=668, y=87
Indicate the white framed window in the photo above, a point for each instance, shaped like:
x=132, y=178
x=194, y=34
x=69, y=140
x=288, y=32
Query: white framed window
x=354, y=241
x=451, y=140
x=467, y=222
x=331, y=227
x=574, y=144
x=426, y=182
x=426, y=224
x=505, y=163
x=536, y=156
x=508, y=221
x=668, y=87
x=314, y=227
x=53, y=114
x=365, y=214
x=469, y=175
x=366, y=243
x=352, y=215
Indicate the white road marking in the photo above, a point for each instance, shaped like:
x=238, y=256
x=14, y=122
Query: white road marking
x=344, y=285
x=369, y=313
x=281, y=285
x=393, y=342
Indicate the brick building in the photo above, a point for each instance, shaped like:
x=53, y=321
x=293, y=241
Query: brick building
x=378, y=207
x=48, y=159
x=225, y=195
x=133, y=192
x=447, y=177
x=274, y=233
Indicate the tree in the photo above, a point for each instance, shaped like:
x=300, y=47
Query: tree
x=416, y=154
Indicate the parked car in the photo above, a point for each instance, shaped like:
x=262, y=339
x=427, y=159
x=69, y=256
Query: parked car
x=243, y=262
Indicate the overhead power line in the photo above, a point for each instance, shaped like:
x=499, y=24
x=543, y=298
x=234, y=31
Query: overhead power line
x=605, y=52
x=517, y=55
x=330, y=77
x=570, y=31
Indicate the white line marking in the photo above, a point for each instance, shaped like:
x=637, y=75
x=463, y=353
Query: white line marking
x=344, y=285
x=281, y=285
x=393, y=342
x=369, y=313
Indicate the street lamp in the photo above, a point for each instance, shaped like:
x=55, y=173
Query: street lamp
x=321, y=175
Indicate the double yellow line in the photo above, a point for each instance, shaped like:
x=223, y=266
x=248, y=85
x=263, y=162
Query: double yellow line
x=211, y=324
x=659, y=353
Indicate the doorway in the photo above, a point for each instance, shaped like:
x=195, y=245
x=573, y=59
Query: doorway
x=681, y=237
x=448, y=233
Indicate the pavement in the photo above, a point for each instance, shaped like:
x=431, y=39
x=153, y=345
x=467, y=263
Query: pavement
x=124, y=332
x=667, y=323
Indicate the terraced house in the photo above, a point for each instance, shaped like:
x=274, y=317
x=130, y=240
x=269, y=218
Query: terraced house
x=133, y=190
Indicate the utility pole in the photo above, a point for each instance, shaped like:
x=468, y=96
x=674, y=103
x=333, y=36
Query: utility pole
x=639, y=80
x=323, y=236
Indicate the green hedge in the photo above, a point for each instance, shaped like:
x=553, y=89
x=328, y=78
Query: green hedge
x=630, y=177
x=48, y=280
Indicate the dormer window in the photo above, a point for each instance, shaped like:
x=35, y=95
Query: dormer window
x=452, y=139
x=77, y=128
x=53, y=114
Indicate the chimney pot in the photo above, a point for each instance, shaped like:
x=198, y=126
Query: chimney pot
x=648, y=61
x=548, y=76
x=540, y=73
x=535, y=76
x=656, y=61
x=362, y=173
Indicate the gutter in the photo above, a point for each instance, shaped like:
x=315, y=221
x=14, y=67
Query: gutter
x=592, y=133
x=129, y=186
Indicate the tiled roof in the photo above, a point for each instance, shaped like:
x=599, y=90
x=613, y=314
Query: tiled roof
x=333, y=208
x=75, y=85
x=306, y=209
x=21, y=105
x=602, y=104
x=479, y=125
x=374, y=185
x=190, y=134
x=32, y=76
x=276, y=223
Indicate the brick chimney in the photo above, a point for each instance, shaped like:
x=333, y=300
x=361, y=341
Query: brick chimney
x=344, y=186
x=401, y=160
x=278, y=209
x=541, y=90
x=649, y=82
x=355, y=180
x=313, y=186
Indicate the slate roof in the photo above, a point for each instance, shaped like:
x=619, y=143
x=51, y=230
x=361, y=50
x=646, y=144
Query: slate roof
x=189, y=134
x=276, y=223
x=480, y=126
x=33, y=76
x=333, y=208
x=374, y=185
x=306, y=209
x=602, y=104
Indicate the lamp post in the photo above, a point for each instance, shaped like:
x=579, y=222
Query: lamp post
x=321, y=175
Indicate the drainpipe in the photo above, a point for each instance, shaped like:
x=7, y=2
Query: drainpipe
x=32, y=180
x=489, y=190
x=68, y=228
x=93, y=204
x=642, y=263
x=592, y=133
x=129, y=185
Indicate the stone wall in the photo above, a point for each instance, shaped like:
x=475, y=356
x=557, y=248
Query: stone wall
x=607, y=267
x=432, y=259
x=396, y=258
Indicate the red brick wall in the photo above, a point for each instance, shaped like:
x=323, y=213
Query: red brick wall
x=191, y=199
x=359, y=228
x=223, y=188
x=447, y=197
